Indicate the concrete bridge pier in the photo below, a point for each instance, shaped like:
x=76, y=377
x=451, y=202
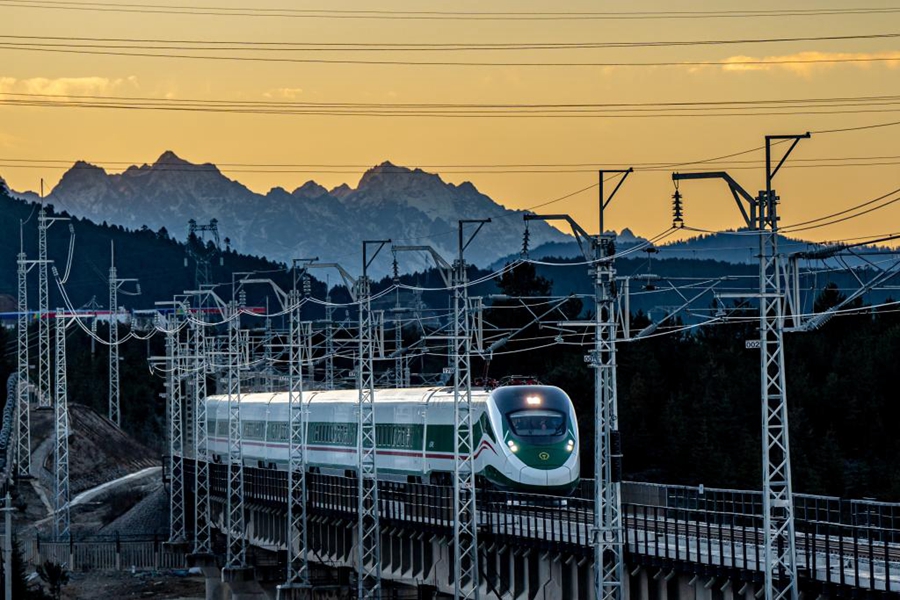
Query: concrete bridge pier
x=242, y=583
x=215, y=589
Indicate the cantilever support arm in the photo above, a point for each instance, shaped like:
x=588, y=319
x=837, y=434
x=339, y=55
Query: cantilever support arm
x=279, y=293
x=580, y=234
x=444, y=267
x=348, y=279
x=736, y=190
x=220, y=303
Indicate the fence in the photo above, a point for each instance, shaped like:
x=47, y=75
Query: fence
x=114, y=554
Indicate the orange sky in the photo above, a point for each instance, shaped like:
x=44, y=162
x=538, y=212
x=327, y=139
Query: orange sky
x=643, y=204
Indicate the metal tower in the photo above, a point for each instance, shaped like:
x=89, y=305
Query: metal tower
x=61, y=452
x=297, y=549
x=465, y=525
x=369, y=542
x=608, y=529
x=176, y=429
x=237, y=548
x=329, y=343
x=23, y=417
x=44, y=381
x=778, y=507
x=114, y=414
x=199, y=250
x=399, y=362
x=268, y=340
x=114, y=284
x=202, y=521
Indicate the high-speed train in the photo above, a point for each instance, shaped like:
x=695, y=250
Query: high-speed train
x=525, y=438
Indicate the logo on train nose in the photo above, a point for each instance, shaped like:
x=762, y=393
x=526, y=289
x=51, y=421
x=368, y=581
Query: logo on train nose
x=544, y=456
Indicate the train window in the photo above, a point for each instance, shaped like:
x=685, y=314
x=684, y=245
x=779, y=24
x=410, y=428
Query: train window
x=253, y=430
x=402, y=437
x=278, y=432
x=538, y=423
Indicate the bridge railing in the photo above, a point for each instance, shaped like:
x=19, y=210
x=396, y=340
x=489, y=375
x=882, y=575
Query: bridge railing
x=549, y=521
x=107, y=553
x=807, y=507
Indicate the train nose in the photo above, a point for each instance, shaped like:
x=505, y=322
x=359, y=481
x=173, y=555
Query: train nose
x=532, y=476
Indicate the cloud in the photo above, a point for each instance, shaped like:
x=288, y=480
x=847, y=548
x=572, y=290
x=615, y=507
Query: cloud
x=65, y=86
x=287, y=93
x=806, y=63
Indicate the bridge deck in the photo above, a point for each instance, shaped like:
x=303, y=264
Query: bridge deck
x=664, y=525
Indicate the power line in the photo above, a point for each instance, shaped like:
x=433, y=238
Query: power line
x=237, y=108
x=889, y=99
x=271, y=46
x=683, y=103
x=72, y=49
x=370, y=14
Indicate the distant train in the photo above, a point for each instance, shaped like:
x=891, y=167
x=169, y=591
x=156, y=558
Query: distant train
x=525, y=437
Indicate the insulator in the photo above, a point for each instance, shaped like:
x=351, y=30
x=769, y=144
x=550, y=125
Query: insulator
x=526, y=237
x=677, y=210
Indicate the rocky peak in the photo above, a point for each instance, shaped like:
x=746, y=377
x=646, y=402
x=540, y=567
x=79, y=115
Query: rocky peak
x=341, y=191
x=388, y=185
x=80, y=174
x=309, y=191
x=627, y=236
x=170, y=158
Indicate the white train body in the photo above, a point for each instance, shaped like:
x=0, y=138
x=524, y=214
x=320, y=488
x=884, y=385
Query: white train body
x=525, y=437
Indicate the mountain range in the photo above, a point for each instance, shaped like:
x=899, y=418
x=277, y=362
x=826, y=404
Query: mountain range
x=410, y=206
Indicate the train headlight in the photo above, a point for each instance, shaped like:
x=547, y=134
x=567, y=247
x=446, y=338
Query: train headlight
x=512, y=446
x=570, y=445
x=533, y=400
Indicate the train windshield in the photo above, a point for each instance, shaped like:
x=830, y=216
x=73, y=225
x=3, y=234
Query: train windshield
x=538, y=423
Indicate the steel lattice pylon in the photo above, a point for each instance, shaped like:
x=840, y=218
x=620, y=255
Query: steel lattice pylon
x=778, y=504
x=780, y=550
x=465, y=523
x=23, y=417
x=297, y=550
x=268, y=371
x=607, y=530
x=114, y=284
x=176, y=431
x=202, y=521
x=237, y=548
x=369, y=533
x=43, y=383
x=329, y=343
x=113, y=343
x=61, y=452
x=399, y=362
